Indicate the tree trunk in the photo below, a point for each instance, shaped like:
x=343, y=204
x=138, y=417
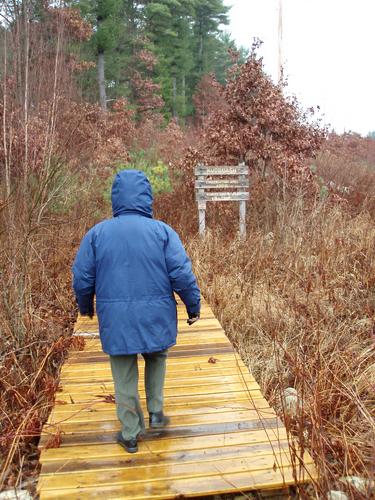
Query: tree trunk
x=101, y=81
x=183, y=96
x=174, y=97
x=200, y=51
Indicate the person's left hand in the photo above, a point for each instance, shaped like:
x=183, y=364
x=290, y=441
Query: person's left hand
x=193, y=318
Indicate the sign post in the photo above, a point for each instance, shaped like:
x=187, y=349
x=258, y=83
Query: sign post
x=209, y=185
x=201, y=206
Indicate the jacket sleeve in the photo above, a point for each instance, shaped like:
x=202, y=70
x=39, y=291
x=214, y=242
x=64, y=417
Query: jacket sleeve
x=84, y=275
x=180, y=273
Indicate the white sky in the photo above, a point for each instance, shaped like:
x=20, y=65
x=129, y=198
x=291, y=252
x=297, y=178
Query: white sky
x=329, y=53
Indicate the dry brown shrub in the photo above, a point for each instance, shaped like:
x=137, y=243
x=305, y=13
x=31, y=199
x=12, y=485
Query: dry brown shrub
x=297, y=299
x=347, y=165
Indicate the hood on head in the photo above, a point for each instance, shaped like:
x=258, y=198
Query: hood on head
x=131, y=192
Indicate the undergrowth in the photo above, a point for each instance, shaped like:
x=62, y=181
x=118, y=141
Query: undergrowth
x=297, y=299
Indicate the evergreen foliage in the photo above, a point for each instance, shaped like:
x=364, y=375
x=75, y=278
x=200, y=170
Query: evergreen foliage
x=186, y=38
x=156, y=172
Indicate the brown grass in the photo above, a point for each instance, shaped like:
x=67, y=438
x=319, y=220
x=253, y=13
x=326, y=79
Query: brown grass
x=297, y=300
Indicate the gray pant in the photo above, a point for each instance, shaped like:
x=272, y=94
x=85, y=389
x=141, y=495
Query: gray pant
x=125, y=377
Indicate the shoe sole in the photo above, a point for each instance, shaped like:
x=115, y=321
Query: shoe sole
x=129, y=450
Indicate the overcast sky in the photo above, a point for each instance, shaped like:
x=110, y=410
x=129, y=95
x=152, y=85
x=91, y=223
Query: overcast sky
x=329, y=53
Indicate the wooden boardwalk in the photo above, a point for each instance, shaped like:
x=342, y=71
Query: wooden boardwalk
x=223, y=436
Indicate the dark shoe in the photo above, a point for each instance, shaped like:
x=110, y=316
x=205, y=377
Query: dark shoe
x=158, y=420
x=131, y=445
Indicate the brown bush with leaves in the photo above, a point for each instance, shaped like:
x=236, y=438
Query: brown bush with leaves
x=346, y=164
x=208, y=99
x=257, y=124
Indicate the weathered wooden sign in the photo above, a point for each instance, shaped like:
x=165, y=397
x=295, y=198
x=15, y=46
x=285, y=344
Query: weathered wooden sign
x=209, y=185
x=240, y=169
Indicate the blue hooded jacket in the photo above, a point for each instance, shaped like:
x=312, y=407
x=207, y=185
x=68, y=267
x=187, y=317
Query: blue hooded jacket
x=133, y=264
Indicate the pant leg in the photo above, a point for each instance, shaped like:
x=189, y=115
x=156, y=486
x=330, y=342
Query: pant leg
x=155, y=367
x=125, y=378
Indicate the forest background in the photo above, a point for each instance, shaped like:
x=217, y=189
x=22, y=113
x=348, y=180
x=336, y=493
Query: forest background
x=89, y=87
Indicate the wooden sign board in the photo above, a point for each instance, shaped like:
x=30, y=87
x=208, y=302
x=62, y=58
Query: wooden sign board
x=218, y=196
x=209, y=183
x=222, y=183
x=226, y=170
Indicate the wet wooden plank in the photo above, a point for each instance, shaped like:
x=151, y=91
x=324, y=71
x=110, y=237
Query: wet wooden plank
x=185, y=372
x=208, y=351
x=100, y=384
x=69, y=426
x=169, y=392
x=173, y=364
x=188, y=377
x=102, y=410
x=145, y=457
x=219, y=483
x=160, y=472
x=223, y=434
x=107, y=431
x=197, y=362
x=181, y=444
x=106, y=412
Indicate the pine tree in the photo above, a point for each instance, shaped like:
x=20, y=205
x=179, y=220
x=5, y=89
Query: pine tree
x=209, y=15
x=104, y=15
x=169, y=28
x=185, y=37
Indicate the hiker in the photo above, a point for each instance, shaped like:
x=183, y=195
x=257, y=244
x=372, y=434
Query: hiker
x=133, y=264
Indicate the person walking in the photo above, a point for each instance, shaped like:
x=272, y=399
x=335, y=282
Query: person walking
x=133, y=263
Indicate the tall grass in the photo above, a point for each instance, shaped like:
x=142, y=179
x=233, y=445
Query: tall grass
x=297, y=299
